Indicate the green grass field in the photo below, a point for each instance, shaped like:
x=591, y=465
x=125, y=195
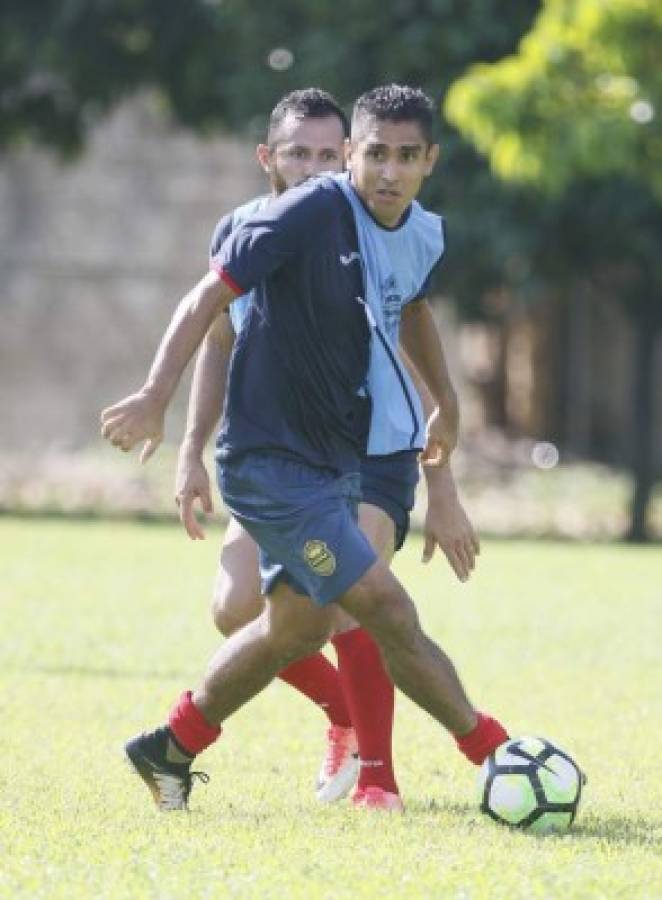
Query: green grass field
x=104, y=624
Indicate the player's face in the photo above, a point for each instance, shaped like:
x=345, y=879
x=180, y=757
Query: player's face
x=388, y=162
x=303, y=147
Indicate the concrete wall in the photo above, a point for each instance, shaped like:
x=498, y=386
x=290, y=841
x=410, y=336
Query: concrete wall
x=93, y=258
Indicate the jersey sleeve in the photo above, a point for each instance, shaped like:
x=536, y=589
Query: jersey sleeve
x=222, y=231
x=272, y=237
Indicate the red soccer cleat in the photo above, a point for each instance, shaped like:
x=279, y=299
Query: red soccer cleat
x=373, y=797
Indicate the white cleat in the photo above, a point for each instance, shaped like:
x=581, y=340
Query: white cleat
x=340, y=768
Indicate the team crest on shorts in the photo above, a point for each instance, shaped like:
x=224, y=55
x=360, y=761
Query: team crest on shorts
x=320, y=559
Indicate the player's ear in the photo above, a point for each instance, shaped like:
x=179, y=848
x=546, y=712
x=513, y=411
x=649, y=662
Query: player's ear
x=263, y=153
x=431, y=158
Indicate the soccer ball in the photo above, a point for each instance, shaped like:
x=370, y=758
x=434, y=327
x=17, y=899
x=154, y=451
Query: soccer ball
x=529, y=783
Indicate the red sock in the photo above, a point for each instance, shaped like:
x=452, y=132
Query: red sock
x=317, y=678
x=371, y=699
x=190, y=727
x=485, y=737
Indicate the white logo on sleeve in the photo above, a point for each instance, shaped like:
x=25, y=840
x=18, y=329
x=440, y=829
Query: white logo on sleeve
x=349, y=259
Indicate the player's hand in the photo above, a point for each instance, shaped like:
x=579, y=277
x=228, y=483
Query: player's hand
x=440, y=440
x=448, y=527
x=191, y=484
x=136, y=418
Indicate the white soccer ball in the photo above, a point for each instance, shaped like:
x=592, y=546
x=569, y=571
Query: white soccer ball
x=530, y=783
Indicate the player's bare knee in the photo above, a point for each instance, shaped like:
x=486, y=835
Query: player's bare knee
x=231, y=609
x=398, y=624
x=381, y=605
x=295, y=625
x=290, y=645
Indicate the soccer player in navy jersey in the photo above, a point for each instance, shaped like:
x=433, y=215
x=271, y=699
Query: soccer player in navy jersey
x=297, y=418
x=306, y=136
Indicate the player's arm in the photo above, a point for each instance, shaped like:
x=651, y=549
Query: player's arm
x=204, y=408
x=139, y=417
x=253, y=251
x=420, y=340
x=447, y=524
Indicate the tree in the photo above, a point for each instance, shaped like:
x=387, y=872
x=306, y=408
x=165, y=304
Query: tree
x=578, y=99
x=64, y=63
x=573, y=112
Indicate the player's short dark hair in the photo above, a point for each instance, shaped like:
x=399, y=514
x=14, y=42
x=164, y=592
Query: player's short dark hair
x=395, y=103
x=309, y=103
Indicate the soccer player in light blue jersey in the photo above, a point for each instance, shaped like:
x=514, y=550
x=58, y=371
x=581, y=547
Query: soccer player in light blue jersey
x=306, y=136
x=298, y=416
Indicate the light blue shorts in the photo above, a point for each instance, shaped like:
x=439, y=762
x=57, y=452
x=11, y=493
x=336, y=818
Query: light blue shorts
x=303, y=520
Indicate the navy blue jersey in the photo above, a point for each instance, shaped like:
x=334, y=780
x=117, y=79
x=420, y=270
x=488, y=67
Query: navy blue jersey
x=227, y=223
x=221, y=233
x=224, y=227
x=296, y=383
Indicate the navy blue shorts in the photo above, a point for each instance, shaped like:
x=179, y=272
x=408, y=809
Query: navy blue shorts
x=389, y=482
x=303, y=519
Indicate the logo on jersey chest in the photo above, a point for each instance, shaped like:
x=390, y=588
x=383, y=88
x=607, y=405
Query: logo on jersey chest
x=320, y=559
x=348, y=259
x=392, y=306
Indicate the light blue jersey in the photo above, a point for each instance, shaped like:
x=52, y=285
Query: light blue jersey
x=396, y=268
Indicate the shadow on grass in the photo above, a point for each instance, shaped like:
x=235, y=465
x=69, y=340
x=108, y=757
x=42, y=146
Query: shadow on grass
x=620, y=831
x=445, y=807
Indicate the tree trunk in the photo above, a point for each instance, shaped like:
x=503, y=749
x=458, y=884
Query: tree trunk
x=642, y=415
x=578, y=394
x=495, y=390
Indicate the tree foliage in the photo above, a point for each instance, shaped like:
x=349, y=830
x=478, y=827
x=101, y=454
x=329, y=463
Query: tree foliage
x=225, y=62
x=582, y=96
x=576, y=112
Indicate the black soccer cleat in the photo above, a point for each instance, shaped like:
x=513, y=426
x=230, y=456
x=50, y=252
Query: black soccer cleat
x=164, y=767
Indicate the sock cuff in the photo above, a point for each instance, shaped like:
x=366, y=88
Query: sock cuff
x=348, y=640
x=190, y=727
x=485, y=737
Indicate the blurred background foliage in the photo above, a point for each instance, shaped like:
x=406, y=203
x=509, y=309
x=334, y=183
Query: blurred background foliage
x=550, y=143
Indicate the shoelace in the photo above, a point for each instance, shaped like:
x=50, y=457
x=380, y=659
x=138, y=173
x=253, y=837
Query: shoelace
x=201, y=776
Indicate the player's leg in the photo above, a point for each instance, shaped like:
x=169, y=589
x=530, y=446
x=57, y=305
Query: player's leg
x=369, y=690
x=290, y=627
x=238, y=600
x=318, y=542
x=299, y=518
x=417, y=665
x=303, y=523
